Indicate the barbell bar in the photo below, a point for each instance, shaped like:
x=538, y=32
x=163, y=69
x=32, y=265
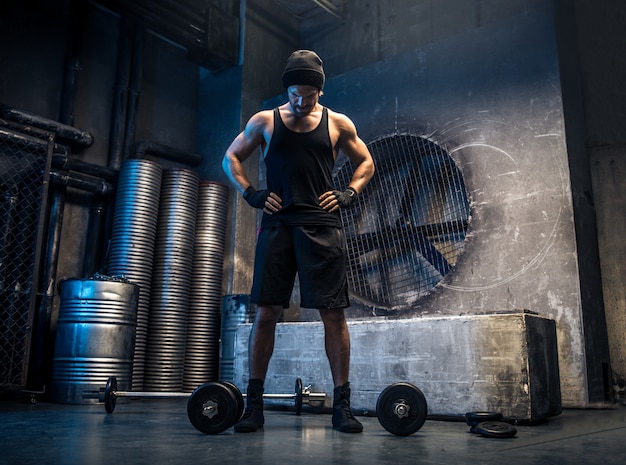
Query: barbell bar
x=110, y=393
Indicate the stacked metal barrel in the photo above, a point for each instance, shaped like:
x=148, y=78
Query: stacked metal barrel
x=169, y=238
x=203, y=324
x=171, y=281
x=131, y=250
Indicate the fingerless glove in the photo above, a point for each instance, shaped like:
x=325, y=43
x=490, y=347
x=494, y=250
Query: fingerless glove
x=255, y=198
x=345, y=198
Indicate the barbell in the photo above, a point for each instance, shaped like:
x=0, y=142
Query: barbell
x=213, y=407
x=401, y=408
x=301, y=395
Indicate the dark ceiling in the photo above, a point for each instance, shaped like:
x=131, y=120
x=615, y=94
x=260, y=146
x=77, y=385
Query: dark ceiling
x=209, y=29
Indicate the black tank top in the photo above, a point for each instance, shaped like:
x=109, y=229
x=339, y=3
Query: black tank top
x=299, y=169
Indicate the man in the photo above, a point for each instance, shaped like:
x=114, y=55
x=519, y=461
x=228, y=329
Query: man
x=301, y=227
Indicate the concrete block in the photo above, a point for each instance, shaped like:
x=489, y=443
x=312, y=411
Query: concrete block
x=505, y=362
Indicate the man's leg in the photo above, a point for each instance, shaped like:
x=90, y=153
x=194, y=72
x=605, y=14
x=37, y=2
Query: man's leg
x=337, y=344
x=261, y=343
x=260, y=349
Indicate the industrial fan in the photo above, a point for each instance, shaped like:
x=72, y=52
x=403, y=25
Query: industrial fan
x=407, y=229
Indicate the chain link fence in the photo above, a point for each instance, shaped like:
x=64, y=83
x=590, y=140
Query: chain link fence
x=24, y=174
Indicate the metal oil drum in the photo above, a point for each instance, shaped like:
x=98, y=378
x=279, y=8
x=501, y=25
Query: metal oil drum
x=95, y=338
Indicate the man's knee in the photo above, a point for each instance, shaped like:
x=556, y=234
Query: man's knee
x=333, y=317
x=267, y=315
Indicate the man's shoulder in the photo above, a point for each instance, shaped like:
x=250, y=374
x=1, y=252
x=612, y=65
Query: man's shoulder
x=339, y=120
x=261, y=119
x=263, y=115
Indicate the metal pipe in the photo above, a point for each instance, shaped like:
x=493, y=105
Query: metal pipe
x=149, y=147
x=134, y=91
x=40, y=365
x=42, y=342
x=28, y=141
x=62, y=131
x=120, y=97
x=39, y=136
x=67, y=163
x=28, y=130
x=78, y=11
x=79, y=181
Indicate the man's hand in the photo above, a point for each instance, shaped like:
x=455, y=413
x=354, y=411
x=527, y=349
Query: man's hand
x=268, y=201
x=333, y=200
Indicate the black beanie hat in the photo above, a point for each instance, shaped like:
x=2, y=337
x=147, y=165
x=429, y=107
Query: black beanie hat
x=304, y=67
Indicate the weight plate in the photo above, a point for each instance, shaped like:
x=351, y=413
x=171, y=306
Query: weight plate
x=238, y=396
x=212, y=408
x=473, y=418
x=496, y=429
x=401, y=409
x=298, y=396
x=109, y=394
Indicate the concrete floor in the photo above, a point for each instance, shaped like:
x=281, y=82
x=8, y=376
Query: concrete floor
x=157, y=431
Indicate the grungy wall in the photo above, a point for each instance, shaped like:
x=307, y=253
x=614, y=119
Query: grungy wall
x=483, y=78
x=492, y=97
x=609, y=186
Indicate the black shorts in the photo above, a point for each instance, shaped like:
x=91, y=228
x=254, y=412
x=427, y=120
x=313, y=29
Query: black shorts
x=316, y=253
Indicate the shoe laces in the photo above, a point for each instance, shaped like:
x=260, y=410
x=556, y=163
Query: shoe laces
x=345, y=407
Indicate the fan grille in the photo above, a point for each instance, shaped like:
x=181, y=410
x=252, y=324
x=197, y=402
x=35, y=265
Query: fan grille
x=407, y=229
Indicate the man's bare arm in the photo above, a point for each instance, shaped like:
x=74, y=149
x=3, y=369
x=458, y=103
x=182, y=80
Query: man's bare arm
x=245, y=144
x=355, y=149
